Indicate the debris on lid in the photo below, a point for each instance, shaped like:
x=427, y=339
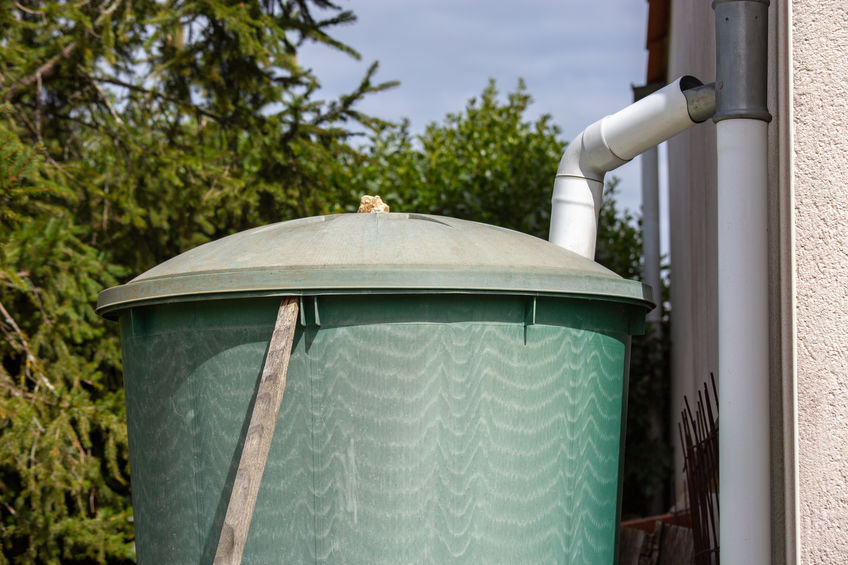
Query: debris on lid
x=372, y=205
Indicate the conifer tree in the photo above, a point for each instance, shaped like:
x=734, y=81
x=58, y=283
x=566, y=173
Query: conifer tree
x=131, y=131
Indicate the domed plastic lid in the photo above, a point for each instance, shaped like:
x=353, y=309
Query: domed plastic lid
x=373, y=253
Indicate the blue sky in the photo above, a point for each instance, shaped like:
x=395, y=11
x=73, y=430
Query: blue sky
x=578, y=59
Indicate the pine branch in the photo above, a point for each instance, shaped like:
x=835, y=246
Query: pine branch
x=45, y=72
x=102, y=96
x=158, y=95
x=31, y=358
x=50, y=69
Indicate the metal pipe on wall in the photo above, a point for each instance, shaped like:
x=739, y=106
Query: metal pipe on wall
x=651, y=229
x=742, y=149
x=743, y=342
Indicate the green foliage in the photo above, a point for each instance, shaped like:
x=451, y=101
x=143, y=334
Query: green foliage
x=619, y=245
x=63, y=467
x=134, y=131
x=178, y=121
x=487, y=164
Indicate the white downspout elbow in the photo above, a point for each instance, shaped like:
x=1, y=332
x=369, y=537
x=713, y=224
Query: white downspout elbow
x=608, y=144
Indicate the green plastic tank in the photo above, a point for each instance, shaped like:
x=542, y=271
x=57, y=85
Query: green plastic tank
x=456, y=394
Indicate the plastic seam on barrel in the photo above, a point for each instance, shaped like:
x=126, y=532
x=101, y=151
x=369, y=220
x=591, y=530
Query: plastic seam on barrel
x=529, y=316
x=530, y=313
x=315, y=306
x=302, y=311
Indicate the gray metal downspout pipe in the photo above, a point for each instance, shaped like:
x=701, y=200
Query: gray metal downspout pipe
x=742, y=148
x=651, y=233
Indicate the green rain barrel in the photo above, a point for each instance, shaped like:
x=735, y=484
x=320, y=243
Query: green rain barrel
x=456, y=394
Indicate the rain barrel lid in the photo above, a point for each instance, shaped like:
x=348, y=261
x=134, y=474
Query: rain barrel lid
x=373, y=253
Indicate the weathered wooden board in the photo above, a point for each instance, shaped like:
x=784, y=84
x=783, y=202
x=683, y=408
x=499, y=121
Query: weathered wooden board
x=667, y=545
x=263, y=419
x=630, y=546
x=677, y=546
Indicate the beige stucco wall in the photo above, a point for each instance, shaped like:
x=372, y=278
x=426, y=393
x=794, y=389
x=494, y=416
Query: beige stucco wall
x=820, y=103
